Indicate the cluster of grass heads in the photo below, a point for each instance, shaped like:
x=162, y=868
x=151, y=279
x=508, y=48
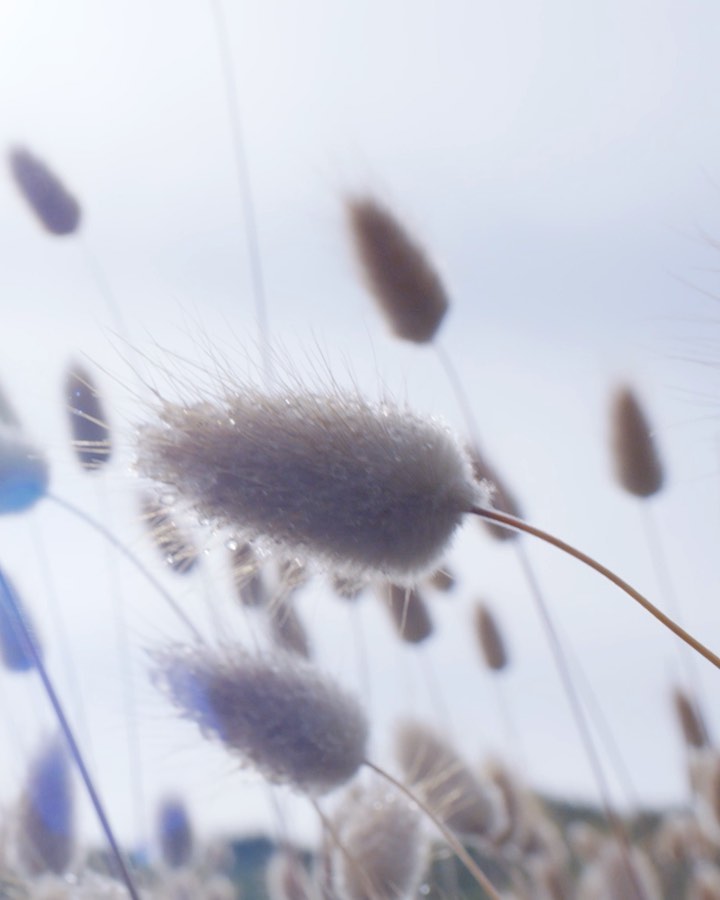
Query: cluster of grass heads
x=312, y=487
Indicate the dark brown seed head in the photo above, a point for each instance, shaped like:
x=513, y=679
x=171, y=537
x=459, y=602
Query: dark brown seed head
x=57, y=210
x=490, y=639
x=409, y=613
x=637, y=464
x=87, y=418
x=398, y=273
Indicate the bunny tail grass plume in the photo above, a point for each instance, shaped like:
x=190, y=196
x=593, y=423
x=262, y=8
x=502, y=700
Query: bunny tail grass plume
x=470, y=809
x=490, y=639
x=45, y=827
x=382, y=854
x=24, y=473
x=279, y=715
x=87, y=418
x=409, y=614
x=397, y=271
x=174, y=833
x=57, y=210
x=637, y=464
x=175, y=547
x=363, y=488
x=16, y=630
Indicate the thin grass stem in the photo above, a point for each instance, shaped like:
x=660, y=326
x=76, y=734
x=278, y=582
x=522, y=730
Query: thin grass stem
x=511, y=522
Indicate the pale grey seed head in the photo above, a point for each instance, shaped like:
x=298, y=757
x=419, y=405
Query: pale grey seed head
x=383, y=854
x=360, y=488
x=690, y=719
x=276, y=714
x=445, y=782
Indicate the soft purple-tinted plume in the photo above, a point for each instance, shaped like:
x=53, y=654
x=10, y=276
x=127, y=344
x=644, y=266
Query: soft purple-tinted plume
x=361, y=488
x=46, y=813
x=174, y=832
x=56, y=209
x=277, y=714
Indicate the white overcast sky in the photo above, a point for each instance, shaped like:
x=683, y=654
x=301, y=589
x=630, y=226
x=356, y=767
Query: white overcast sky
x=560, y=162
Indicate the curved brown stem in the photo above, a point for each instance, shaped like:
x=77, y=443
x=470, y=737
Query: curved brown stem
x=511, y=522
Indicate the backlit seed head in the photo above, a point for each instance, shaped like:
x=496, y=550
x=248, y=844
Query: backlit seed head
x=383, y=854
x=690, y=719
x=398, y=272
x=175, y=545
x=57, y=210
x=87, y=418
x=277, y=714
x=361, y=488
x=447, y=785
x=637, y=463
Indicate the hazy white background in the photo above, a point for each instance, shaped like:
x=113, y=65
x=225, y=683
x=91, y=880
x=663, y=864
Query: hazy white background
x=560, y=162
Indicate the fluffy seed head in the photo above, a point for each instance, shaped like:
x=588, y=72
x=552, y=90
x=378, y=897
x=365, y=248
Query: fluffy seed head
x=398, y=273
x=364, y=489
x=446, y=784
x=637, y=464
x=384, y=854
x=490, y=639
x=175, y=833
x=277, y=714
x=45, y=819
x=87, y=419
x=57, y=210
x=16, y=630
